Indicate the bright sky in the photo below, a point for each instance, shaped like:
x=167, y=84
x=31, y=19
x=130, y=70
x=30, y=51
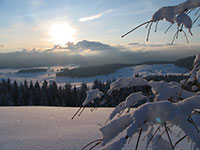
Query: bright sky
x=41, y=24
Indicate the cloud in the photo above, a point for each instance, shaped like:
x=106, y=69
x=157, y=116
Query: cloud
x=52, y=49
x=84, y=45
x=93, y=45
x=2, y=46
x=36, y=3
x=99, y=15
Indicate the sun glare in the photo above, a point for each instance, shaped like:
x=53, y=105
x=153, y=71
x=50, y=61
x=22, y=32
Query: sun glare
x=61, y=33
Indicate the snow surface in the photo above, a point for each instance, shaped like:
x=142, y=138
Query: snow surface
x=51, y=128
x=144, y=70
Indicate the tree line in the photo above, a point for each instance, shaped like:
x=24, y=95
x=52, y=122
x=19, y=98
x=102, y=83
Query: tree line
x=50, y=94
x=45, y=94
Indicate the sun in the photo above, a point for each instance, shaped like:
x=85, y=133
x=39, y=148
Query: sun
x=61, y=33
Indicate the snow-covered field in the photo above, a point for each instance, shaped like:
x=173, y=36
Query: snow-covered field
x=43, y=128
x=156, y=69
x=50, y=128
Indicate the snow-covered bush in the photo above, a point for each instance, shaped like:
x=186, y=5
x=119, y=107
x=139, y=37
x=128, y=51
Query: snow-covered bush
x=171, y=106
x=178, y=14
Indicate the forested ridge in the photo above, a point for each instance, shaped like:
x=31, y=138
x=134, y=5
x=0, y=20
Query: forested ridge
x=91, y=71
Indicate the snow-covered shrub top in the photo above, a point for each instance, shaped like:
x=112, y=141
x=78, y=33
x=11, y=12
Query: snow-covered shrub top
x=131, y=100
x=168, y=91
x=169, y=13
x=126, y=82
x=92, y=95
x=184, y=19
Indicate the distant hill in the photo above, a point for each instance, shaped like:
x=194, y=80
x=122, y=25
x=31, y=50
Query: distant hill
x=32, y=70
x=185, y=62
x=84, y=72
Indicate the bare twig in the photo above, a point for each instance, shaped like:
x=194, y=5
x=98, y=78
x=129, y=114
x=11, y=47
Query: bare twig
x=107, y=120
x=130, y=140
x=149, y=31
x=197, y=12
x=100, y=125
x=180, y=140
x=138, y=140
x=180, y=93
x=76, y=113
x=196, y=19
x=92, y=109
x=190, y=11
x=168, y=136
x=152, y=136
x=95, y=145
x=192, y=122
x=156, y=27
x=168, y=28
x=160, y=137
x=135, y=28
x=174, y=37
x=179, y=133
x=185, y=36
x=98, y=140
x=191, y=146
x=147, y=25
x=178, y=33
x=81, y=111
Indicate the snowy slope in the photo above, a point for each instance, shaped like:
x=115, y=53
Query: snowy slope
x=50, y=128
x=158, y=69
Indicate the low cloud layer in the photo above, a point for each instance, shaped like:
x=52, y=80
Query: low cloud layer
x=150, y=45
x=96, y=53
x=102, y=49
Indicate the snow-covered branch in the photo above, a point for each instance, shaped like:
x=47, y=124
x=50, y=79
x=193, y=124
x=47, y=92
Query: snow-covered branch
x=173, y=14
